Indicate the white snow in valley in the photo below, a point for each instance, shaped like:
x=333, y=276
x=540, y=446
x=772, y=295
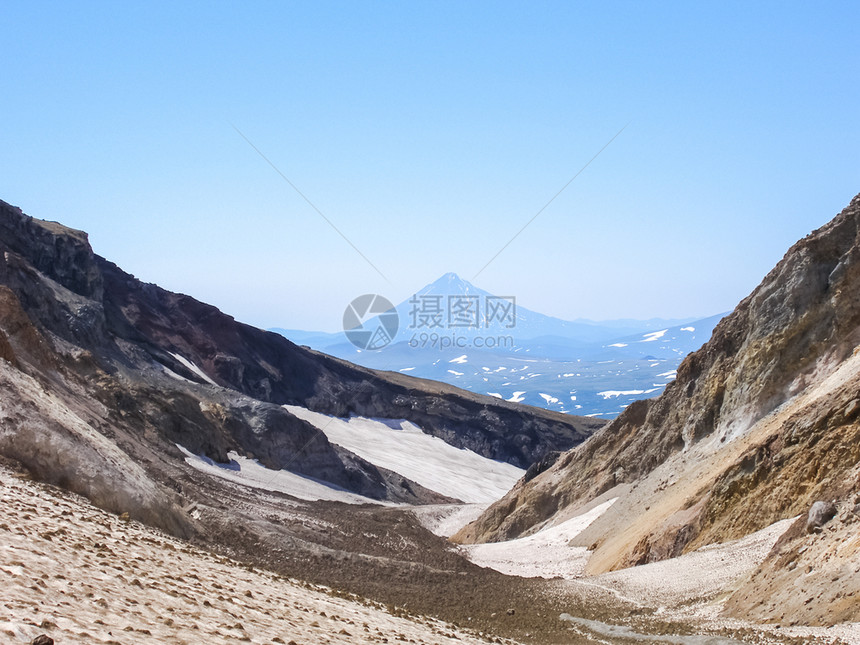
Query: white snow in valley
x=696, y=574
x=403, y=447
x=249, y=472
x=495, y=394
x=545, y=554
x=618, y=345
x=669, y=374
x=517, y=397
x=688, y=329
x=548, y=398
x=460, y=359
x=455, y=373
x=172, y=374
x=446, y=519
x=193, y=368
x=406, y=369
x=611, y=394
x=654, y=335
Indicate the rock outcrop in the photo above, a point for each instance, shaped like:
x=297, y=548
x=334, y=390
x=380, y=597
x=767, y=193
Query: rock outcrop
x=819, y=515
x=130, y=364
x=759, y=423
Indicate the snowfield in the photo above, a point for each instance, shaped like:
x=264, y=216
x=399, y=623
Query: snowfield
x=249, y=472
x=545, y=554
x=403, y=447
x=654, y=336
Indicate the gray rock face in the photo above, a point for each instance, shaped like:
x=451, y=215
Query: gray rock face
x=819, y=515
x=74, y=320
x=267, y=367
x=805, y=314
x=62, y=253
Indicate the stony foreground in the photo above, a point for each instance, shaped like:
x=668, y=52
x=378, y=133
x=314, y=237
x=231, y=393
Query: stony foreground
x=81, y=575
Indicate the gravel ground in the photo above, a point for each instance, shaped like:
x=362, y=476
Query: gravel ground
x=84, y=576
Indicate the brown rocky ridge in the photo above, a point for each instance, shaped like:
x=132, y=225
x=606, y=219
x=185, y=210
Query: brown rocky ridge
x=760, y=424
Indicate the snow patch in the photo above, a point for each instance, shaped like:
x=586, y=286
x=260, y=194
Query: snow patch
x=611, y=394
x=403, y=447
x=545, y=554
x=654, y=335
x=249, y=472
x=191, y=366
x=446, y=519
x=460, y=359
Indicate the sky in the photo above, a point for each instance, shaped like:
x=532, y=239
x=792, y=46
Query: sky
x=278, y=159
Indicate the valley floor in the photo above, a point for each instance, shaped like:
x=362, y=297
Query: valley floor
x=81, y=575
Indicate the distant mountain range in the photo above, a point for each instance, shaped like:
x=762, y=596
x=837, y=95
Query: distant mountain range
x=457, y=333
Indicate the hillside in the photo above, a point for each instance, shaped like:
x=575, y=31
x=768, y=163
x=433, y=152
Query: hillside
x=152, y=369
x=759, y=424
x=161, y=409
x=168, y=414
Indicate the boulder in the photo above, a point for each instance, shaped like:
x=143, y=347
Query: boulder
x=819, y=515
x=42, y=640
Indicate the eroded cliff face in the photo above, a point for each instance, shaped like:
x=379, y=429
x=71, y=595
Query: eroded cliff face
x=267, y=367
x=760, y=423
x=113, y=356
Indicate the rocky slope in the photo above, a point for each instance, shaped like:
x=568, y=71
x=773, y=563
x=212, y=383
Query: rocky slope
x=759, y=424
x=102, y=376
x=157, y=368
x=85, y=576
x=89, y=302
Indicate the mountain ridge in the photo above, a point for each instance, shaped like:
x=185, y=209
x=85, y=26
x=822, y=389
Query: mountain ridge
x=763, y=416
x=129, y=334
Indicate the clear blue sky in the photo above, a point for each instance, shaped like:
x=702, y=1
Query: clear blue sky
x=429, y=134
